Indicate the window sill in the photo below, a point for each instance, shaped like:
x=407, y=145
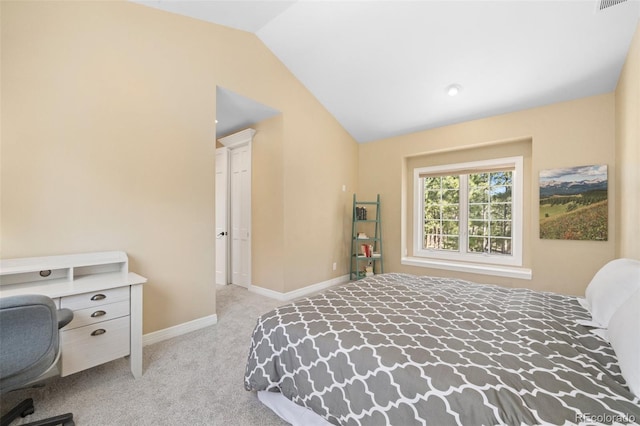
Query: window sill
x=474, y=268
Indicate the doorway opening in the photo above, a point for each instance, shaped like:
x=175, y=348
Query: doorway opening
x=233, y=184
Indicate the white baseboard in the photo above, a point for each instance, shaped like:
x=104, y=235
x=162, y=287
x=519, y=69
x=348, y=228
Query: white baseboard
x=178, y=330
x=197, y=324
x=305, y=291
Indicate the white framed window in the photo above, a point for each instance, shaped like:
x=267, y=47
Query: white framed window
x=470, y=212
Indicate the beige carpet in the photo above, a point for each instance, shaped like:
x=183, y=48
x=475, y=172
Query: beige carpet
x=195, y=379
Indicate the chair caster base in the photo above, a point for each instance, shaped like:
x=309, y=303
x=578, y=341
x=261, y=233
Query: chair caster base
x=26, y=408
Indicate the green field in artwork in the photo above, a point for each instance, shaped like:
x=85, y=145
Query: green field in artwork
x=573, y=221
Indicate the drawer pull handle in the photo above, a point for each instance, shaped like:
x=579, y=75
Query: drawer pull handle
x=98, y=314
x=98, y=332
x=99, y=297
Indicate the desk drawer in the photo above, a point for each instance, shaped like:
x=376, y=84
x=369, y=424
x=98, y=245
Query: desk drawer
x=97, y=314
x=88, y=300
x=91, y=345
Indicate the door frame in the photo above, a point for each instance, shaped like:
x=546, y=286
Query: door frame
x=224, y=152
x=237, y=140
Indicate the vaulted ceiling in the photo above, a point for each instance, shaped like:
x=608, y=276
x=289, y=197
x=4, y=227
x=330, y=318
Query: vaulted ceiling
x=384, y=68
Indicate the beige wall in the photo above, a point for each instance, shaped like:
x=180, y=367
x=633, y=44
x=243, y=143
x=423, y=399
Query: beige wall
x=567, y=134
x=267, y=202
x=108, y=143
x=316, y=208
x=628, y=154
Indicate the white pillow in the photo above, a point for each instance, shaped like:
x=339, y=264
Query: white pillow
x=624, y=336
x=610, y=287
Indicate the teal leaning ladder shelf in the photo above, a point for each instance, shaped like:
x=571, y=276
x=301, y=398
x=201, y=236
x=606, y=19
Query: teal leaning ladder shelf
x=366, y=230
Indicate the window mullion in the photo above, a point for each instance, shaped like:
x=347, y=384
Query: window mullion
x=463, y=209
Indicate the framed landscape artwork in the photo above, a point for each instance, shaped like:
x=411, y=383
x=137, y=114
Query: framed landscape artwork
x=573, y=203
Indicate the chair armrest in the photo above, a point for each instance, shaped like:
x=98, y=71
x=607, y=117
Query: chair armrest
x=64, y=317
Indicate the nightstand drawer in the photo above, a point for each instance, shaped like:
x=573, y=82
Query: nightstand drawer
x=95, y=344
x=88, y=300
x=98, y=314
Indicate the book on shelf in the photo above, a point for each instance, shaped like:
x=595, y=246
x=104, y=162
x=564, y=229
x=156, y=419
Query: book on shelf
x=366, y=250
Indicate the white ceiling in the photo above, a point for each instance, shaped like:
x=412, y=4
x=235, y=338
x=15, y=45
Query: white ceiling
x=382, y=67
x=235, y=112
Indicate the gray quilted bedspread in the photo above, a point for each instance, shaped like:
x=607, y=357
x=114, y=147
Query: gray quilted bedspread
x=397, y=349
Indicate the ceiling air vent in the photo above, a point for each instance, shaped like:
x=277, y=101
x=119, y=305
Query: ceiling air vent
x=605, y=4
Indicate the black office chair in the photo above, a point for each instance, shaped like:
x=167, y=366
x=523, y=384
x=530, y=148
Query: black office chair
x=29, y=349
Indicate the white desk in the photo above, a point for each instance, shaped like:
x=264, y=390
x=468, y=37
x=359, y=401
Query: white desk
x=105, y=297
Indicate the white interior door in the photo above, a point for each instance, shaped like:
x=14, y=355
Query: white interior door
x=240, y=215
x=222, y=212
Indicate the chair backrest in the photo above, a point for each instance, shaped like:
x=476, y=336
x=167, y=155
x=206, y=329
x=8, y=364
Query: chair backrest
x=29, y=339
